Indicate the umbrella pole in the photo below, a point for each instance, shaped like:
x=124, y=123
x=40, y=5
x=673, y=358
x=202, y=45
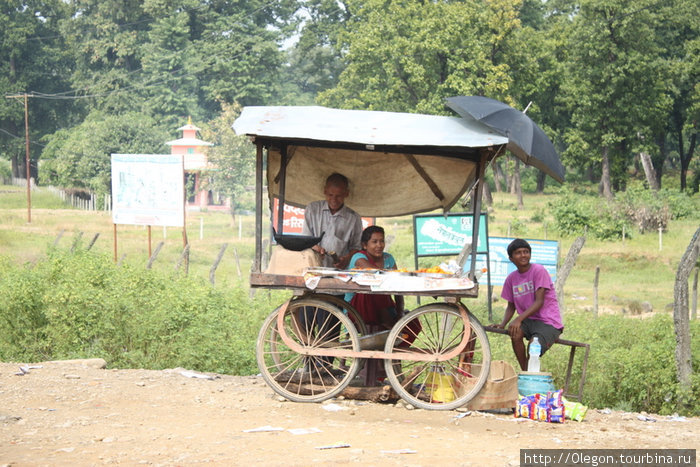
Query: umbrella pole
x=477, y=210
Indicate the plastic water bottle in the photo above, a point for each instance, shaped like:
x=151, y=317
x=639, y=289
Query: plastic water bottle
x=533, y=363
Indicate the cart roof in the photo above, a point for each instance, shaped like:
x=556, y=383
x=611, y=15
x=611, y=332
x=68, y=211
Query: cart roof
x=397, y=163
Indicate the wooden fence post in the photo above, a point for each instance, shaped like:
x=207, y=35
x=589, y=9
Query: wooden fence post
x=595, y=291
x=92, y=242
x=76, y=241
x=681, y=322
x=153, y=257
x=58, y=237
x=566, y=268
x=238, y=262
x=185, y=253
x=212, y=271
x=694, y=309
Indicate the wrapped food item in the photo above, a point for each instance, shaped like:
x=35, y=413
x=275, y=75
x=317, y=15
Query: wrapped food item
x=575, y=410
x=542, y=409
x=525, y=408
x=556, y=414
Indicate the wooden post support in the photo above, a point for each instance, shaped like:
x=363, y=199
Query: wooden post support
x=595, y=291
x=212, y=271
x=694, y=309
x=681, y=322
x=92, y=242
x=58, y=237
x=76, y=241
x=114, y=236
x=238, y=262
x=185, y=253
x=152, y=259
x=566, y=268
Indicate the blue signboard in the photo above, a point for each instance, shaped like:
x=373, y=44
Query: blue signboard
x=446, y=235
x=544, y=252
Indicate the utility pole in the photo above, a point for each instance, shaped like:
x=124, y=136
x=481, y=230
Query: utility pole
x=27, y=159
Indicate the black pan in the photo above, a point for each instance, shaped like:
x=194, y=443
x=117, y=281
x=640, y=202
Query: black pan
x=296, y=242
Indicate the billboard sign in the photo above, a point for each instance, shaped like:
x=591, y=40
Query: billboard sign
x=438, y=235
x=148, y=189
x=544, y=252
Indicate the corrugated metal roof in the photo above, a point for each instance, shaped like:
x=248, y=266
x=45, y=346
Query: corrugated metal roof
x=364, y=127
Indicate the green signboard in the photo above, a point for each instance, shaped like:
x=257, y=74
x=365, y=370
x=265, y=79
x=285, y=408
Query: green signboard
x=437, y=235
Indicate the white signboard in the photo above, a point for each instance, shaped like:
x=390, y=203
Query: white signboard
x=148, y=189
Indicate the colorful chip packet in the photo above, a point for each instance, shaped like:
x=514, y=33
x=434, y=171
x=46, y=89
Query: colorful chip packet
x=551, y=407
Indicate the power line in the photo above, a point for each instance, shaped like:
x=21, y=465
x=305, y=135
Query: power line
x=2, y=130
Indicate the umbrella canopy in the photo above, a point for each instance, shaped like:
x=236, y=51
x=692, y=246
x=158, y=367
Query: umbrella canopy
x=525, y=139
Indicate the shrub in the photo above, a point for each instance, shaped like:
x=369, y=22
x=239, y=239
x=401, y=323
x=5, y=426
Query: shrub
x=631, y=365
x=577, y=215
x=82, y=305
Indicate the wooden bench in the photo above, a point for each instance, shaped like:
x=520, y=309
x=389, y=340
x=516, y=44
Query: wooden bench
x=572, y=353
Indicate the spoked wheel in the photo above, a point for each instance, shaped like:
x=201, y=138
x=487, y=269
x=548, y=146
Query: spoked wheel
x=433, y=384
x=302, y=375
x=349, y=310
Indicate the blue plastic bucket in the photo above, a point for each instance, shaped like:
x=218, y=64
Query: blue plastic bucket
x=533, y=383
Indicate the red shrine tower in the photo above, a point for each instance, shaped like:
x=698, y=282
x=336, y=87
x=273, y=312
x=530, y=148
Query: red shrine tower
x=196, y=168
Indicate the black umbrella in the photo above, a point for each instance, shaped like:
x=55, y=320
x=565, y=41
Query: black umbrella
x=525, y=139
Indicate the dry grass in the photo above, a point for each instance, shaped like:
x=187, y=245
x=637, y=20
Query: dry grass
x=634, y=271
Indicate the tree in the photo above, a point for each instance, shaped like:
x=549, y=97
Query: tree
x=32, y=58
x=616, y=86
x=231, y=156
x=409, y=56
x=81, y=156
x=315, y=61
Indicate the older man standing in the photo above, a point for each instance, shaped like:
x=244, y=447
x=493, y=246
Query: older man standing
x=342, y=227
x=342, y=230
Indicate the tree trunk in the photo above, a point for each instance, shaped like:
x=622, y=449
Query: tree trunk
x=541, y=178
x=605, y=176
x=685, y=159
x=487, y=197
x=566, y=268
x=516, y=188
x=504, y=172
x=649, y=171
x=498, y=176
x=681, y=322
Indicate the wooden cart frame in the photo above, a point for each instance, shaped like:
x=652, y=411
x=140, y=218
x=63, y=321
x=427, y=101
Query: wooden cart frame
x=311, y=347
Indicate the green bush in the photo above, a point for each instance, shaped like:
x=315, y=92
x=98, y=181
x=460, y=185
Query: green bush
x=578, y=215
x=5, y=170
x=82, y=305
x=631, y=364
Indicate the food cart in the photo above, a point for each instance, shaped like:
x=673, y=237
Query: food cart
x=312, y=346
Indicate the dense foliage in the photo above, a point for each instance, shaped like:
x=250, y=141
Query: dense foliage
x=83, y=305
x=637, y=209
x=78, y=305
x=613, y=82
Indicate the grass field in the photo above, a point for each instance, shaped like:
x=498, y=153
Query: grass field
x=631, y=272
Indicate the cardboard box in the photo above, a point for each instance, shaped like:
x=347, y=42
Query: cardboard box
x=292, y=263
x=500, y=390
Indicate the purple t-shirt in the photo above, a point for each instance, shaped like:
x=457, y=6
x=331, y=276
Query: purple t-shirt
x=520, y=289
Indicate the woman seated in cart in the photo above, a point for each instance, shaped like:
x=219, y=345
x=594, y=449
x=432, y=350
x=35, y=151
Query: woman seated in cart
x=375, y=309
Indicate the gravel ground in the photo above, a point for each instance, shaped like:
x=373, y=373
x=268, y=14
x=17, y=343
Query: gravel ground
x=76, y=413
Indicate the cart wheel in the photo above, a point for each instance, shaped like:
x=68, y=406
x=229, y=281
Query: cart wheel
x=302, y=377
x=437, y=385
x=350, y=311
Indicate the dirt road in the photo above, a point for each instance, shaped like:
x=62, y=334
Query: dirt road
x=73, y=413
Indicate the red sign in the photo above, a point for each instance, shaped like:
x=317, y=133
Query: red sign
x=293, y=219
